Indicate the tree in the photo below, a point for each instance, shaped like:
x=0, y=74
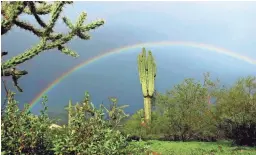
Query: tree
x=185, y=111
x=11, y=11
x=236, y=107
x=147, y=74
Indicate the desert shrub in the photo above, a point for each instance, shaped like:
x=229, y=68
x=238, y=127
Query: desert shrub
x=89, y=135
x=23, y=132
x=86, y=133
x=133, y=126
x=115, y=113
x=138, y=129
x=236, y=107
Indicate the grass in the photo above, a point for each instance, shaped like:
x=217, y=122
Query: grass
x=196, y=148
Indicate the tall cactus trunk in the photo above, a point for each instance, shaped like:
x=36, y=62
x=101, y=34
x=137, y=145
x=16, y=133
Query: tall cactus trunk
x=147, y=109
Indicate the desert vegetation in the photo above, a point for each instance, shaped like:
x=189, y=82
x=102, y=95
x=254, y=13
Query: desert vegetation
x=193, y=117
x=186, y=113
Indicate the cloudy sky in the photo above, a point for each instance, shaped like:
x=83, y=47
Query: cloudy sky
x=226, y=24
x=230, y=25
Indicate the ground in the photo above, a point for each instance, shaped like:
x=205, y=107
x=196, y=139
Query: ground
x=197, y=148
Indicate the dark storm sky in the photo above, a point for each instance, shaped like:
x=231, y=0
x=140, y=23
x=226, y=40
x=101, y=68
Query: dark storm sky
x=229, y=25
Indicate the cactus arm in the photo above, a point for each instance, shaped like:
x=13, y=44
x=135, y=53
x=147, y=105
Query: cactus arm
x=10, y=10
x=139, y=66
x=48, y=39
x=38, y=32
x=142, y=73
x=29, y=54
x=144, y=68
x=24, y=56
x=42, y=9
x=151, y=74
x=33, y=9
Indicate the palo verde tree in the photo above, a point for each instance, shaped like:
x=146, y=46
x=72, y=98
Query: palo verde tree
x=184, y=112
x=147, y=74
x=236, y=107
x=11, y=11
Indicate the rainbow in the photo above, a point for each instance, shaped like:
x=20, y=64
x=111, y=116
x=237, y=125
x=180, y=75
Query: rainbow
x=125, y=48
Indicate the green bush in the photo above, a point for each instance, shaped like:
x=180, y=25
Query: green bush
x=133, y=125
x=23, y=132
x=89, y=134
x=184, y=112
x=86, y=133
x=236, y=107
x=136, y=127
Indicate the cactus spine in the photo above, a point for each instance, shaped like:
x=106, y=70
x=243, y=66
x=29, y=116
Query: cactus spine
x=147, y=74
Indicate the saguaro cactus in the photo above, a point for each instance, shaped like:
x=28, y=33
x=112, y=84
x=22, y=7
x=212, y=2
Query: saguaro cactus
x=147, y=74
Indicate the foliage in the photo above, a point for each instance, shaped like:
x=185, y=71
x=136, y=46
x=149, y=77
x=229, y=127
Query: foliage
x=23, y=132
x=86, y=133
x=137, y=128
x=11, y=11
x=147, y=74
x=115, y=113
x=133, y=126
x=205, y=112
x=185, y=112
x=236, y=107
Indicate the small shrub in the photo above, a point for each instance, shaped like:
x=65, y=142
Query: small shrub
x=23, y=132
x=134, y=127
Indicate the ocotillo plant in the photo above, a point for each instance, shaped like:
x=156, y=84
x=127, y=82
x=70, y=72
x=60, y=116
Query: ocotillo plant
x=11, y=11
x=147, y=74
